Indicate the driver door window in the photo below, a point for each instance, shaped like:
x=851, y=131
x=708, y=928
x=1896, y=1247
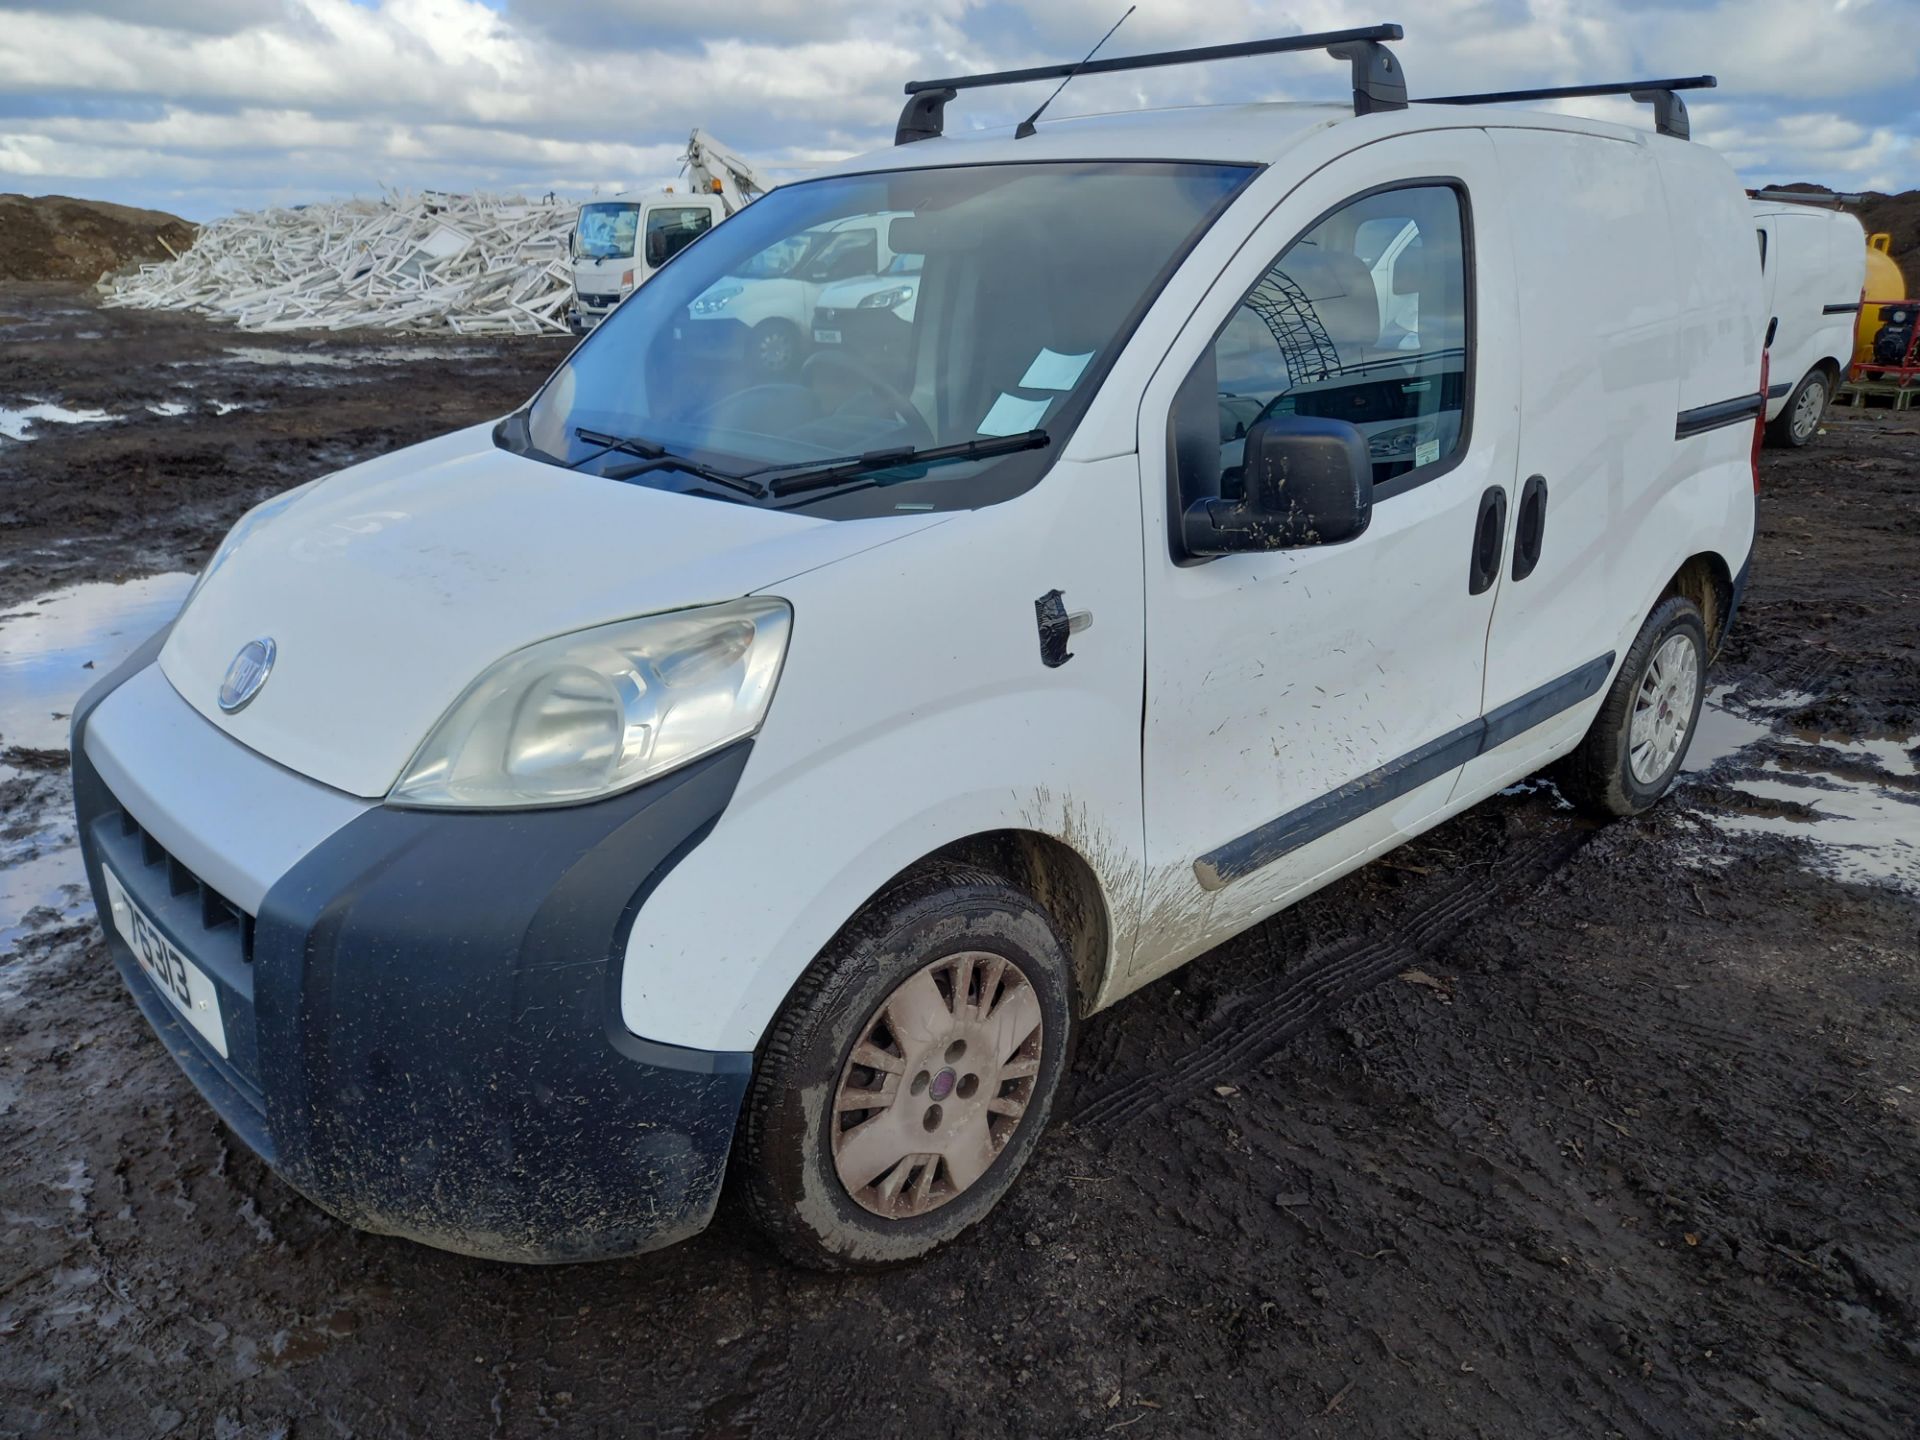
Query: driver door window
x=671, y=231
x=1364, y=318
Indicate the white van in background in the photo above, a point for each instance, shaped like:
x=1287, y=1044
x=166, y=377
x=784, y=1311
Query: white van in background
x=1813, y=263
x=712, y=772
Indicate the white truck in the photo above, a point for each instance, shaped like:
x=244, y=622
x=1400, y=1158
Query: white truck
x=695, y=776
x=618, y=243
x=1813, y=266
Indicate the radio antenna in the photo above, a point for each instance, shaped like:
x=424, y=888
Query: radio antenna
x=1026, y=126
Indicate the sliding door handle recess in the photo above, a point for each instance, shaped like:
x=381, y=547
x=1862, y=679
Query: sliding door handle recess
x=1489, y=540
x=1530, y=528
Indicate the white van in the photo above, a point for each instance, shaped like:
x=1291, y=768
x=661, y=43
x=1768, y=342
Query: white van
x=1813, y=263
x=763, y=308
x=694, y=773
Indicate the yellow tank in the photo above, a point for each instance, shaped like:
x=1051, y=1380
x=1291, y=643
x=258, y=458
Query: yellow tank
x=1884, y=282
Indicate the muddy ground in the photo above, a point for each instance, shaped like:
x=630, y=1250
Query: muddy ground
x=1533, y=1129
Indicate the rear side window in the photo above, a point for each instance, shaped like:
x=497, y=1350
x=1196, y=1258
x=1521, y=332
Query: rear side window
x=1364, y=318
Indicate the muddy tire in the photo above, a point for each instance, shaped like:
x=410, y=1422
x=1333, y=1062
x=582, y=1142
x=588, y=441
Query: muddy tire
x=909, y=1075
x=1799, y=419
x=1638, y=740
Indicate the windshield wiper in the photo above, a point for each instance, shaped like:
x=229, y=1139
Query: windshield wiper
x=799, y=478
x=658, y=457
x=630, y=444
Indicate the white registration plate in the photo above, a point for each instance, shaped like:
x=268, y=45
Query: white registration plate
x=175, y=976
x=826, y=337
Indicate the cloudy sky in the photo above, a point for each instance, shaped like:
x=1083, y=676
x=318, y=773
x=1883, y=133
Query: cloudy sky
x=203, y=106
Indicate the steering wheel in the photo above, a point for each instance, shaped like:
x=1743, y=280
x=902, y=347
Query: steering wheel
x=897, y=401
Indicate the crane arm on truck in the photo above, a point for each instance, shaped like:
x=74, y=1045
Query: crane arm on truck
x=712, y=169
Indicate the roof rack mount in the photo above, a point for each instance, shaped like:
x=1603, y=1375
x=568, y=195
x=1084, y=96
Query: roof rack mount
x=1378, y=81
x=1669, y=110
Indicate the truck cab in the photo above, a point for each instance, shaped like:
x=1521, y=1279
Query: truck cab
x=617, y=244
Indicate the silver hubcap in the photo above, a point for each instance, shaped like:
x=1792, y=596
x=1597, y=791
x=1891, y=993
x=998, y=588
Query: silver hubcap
x=1808, y=409
x=1663, y=710
x=940, y=1080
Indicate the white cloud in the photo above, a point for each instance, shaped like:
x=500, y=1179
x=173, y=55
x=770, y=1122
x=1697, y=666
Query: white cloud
x=201, y=105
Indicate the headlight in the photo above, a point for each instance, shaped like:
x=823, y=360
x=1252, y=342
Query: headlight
x=244, y=527
x=588, y=714
x=887, y=299
x=714, y=301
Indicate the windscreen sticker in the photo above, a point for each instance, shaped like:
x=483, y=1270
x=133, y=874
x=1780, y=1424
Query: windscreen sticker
x=1426, y=452
x=1050, y=371
x=1012, y=415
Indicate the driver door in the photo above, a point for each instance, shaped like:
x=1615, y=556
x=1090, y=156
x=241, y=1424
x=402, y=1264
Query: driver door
x=1307, y=708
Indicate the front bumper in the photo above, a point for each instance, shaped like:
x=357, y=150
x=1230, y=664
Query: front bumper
x=422, y=1010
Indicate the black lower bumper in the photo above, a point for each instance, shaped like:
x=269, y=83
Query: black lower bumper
x=433, y=1028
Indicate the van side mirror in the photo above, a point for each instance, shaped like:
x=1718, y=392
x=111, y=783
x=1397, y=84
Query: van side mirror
x=1309, y=481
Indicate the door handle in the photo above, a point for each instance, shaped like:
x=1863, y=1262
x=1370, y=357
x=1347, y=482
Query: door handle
x=1489, y=539
x=1530, y=529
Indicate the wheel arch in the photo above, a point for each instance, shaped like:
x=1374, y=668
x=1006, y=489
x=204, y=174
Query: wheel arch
x=1058, y=878
x=1061, y=881
x=1705, y=579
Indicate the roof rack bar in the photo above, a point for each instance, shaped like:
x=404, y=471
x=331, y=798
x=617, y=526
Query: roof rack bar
x=1669, y=110
x=1378, y=83
x=1832, y=199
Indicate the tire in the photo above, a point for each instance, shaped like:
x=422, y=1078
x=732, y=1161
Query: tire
x=1617, y=772
x=789, y=1174
x=774, y=348
x=1799, y=420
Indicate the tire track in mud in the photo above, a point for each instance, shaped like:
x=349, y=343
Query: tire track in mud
x=1295, y=1000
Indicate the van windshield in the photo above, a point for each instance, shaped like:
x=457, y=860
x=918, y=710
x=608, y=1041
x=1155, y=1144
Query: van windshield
x=606, y=230
x=898, y=311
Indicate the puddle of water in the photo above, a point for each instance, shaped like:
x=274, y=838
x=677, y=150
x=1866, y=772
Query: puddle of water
x=47, y=644
x=1720, y=732
x=1891, y=753
x=14, y=424
x=1858, y=830
x=41, y=877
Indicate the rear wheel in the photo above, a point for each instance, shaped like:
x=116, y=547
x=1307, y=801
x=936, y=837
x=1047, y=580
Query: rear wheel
x=1638, y=740
x=1799, y=422
x=909, y=1075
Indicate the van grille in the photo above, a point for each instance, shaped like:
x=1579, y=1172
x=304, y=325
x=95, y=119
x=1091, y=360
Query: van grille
x=216, y=911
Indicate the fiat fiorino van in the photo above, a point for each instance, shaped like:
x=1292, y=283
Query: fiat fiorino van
x=700, y=773
x=1813, y=266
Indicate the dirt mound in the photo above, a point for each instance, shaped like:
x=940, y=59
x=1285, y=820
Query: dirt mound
x=1899, y=216
x=54, y=237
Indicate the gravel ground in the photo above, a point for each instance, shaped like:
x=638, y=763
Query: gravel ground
x=1530, y=1129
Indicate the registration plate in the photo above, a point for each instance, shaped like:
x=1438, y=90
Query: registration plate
x=826, y=337
x=173, y=974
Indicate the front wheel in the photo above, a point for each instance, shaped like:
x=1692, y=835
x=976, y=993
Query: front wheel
x=774, y=348
x=1799, y=421
x=909, y=1075
x=1637, y=742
